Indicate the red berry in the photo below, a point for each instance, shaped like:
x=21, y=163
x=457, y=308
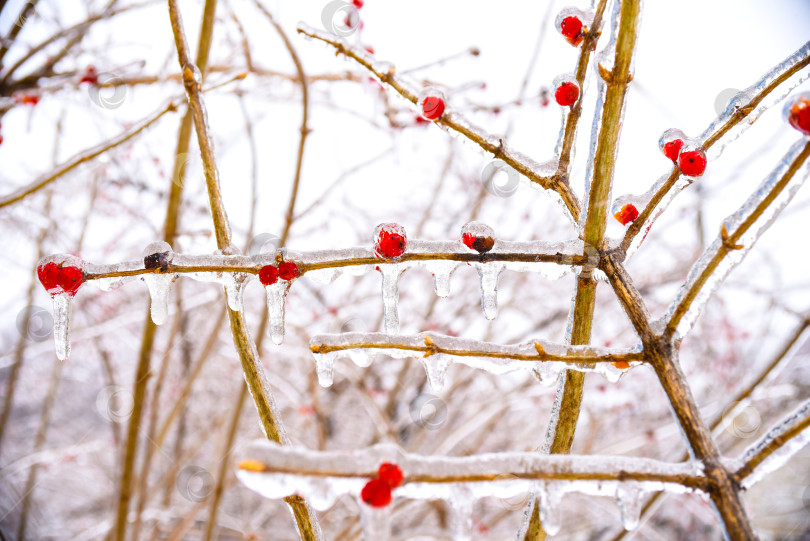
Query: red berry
x=48, y=275
x=358, y=3
x=70, y=279
x=571, y=28
x=626, y=214
x=692, y=162
x=90, y=76
x=376, y=493
x=432, y=107
x=27, y=99
x=390, y=473
x=389, y=240
x=268, y=275
x=369, y=49
x=1, y=139
x=567, y=94
x=799, y=114
x=287, y=270
x=672, y=149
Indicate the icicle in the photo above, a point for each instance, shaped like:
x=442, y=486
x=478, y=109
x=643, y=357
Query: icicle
x=390, y=293
x=435, y=368
x=62, y=310
x=376, y=522
x=631, y=499
x=276, y=296
x=325, y=367
x=550, y=516
x=234, y=290
x=461, y=518
x=547, y=373
x=441, y=270
x=489, y=287
x=159, y=285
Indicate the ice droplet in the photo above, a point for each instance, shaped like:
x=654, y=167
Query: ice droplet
x=234, y=290
x=325, y=367
x=441, y=270
x=630, y=500
x=435, y=368
x=62, y=310
x=550, y=516
x=390, y=293
x=276, y=296
x=376, y=522
x=158, y=285
x=489, y=273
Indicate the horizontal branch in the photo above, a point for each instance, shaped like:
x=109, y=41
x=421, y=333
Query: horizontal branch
x=544, y=175
x=85, y=156
x=737, y=235
x=439, y=351
x=661, y=193
x=775, y=448
x=322, y=476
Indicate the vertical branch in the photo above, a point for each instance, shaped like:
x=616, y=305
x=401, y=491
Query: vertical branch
x=254, y=374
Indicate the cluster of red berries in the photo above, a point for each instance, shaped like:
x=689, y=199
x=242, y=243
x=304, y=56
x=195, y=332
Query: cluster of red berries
x=90, y=75
x=689, y=157
x=797, y=113
x=286, y=270
x=390, y=240
x=377, y=492
x=59, y=278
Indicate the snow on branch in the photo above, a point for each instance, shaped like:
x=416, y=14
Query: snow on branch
x=321, y=477
x=545, y=175
x=738, y=234
x=741, y=112
x=438, y=352
x=775, y=448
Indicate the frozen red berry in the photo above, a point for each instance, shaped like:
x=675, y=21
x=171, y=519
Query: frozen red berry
x=27, y=99
x=90, y=75
x=671, y=143
x=626, y=214
x=369, y=49
x=268, y=275
x=288, y=270
x=376, y=493
x=59, y=278
x=389, y=240
x=571, y=29
x=692, y=162
x=672, y=149
x=358, y=3
x=432, y=107
x=158, y=260
x=477, y=236
x=390, y=473
x=798, y=113
x=567, y=94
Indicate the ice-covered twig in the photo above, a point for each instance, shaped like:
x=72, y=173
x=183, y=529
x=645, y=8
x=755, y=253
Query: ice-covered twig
x=540, y=174
x=776, y=447
x=747, y=106
x=737, y=235
x=438, y=352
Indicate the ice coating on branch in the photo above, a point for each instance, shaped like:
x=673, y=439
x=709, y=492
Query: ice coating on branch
x=376, y=521
x=390, y=294
x=323, y=476
x=743, y=100
x=276, y=297
x=62, y=311
x=439, y=351
x=731, y=224
x=785, y=452
x=489, y=273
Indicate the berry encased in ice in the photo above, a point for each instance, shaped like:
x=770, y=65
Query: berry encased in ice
x=268, y=275
x=692, y=162
x=390, y=240
x=376, y=493
x=391, y=474
x=288, y=270
x=567, y=94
